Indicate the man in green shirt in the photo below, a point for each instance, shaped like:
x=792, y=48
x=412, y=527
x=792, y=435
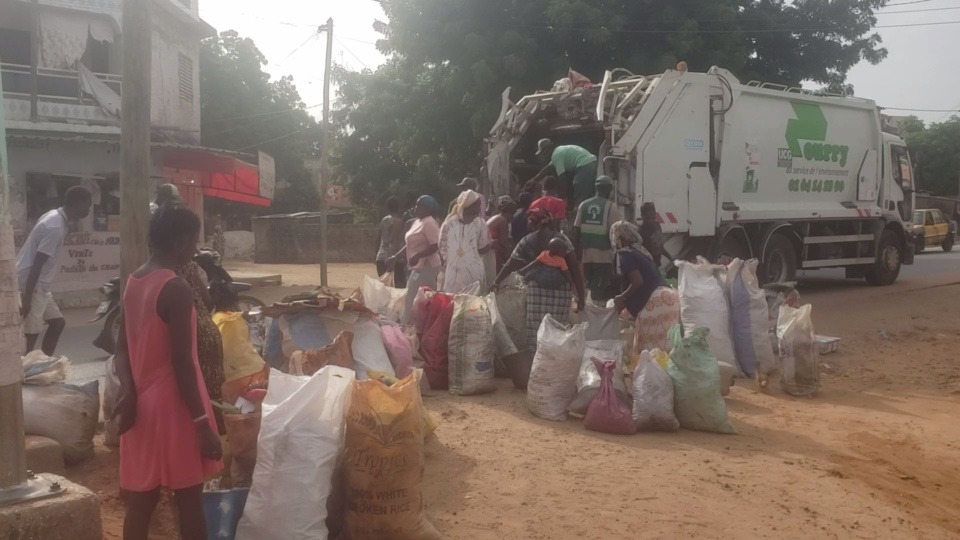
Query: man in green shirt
x=591, y=238
x=573, y=165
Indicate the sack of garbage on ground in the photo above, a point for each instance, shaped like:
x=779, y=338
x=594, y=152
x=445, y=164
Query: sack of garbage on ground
x=380, y=296
x=39, y=368
x=66, y=413
x=242, y=433
x=470, y=347
x=704, y=304
x=799, y=355
x=750, y=319
x=589, y=379
x=301, y=438
x=240, y=357
x=693, y=368
x=512, y=303
x=399, y=348
x=607, y=412
x=553, y=376
x=383, y=463
x=653, y=395
x=434, y=341
x=655, y=320
x=603, y=323
x=339, y=353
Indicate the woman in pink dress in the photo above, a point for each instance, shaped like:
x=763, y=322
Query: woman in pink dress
x=168, y=438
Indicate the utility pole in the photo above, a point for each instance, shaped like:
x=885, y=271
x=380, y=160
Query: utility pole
x=324, y=153
x=135, y=136
x=34, y=61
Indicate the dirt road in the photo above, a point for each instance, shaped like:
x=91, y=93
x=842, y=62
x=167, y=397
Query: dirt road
x=875, y=455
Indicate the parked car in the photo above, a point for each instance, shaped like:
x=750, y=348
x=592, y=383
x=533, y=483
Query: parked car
x=931, y=228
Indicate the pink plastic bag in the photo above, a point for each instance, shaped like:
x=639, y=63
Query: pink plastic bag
x=398, y=349
x=608, y=414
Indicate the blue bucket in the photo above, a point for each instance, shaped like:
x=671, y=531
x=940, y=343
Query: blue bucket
x=223, y=509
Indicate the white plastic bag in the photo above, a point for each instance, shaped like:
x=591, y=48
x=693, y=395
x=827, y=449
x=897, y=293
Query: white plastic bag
x=653, y=395
x=588, y=379
x=66, y=413
x=470, y=347
x=381, y=297
x=301, y=437
x=502, y=343
x=703, y=304
x=553, y=376
x=39, y=368
x=111, y=398
x=602, y=323
x=749, y=319
x=799, y=354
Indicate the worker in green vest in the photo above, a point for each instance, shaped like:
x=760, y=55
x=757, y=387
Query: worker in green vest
x=591, y=238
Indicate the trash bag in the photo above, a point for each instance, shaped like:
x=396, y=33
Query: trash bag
x=703, y=304
x=553, y=376
x=338, y=353
x=39, y=368
x=696, y=383
x=588, y=379
x=512, y=303
x=470, y=347
x=383, y=463
x=399, y=349
x=381, y=297
x=242, y=433
x=661, y=312
x=418, y=311
x=111, y=398
x=749, y=318
x=799, y=352
x=301, y=437
x=66, y=413
x=434, y=341
x=240, y=358
x=602, y=323
x=653, y=396
x=607, y=413
x=315, y=329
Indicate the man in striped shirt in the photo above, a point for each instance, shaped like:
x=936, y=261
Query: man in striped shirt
x=591, y=233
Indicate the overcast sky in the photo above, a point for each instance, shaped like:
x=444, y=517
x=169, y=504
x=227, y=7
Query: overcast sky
x=921, y=71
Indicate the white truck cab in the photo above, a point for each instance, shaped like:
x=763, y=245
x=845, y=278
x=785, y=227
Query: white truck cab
x=796, y=179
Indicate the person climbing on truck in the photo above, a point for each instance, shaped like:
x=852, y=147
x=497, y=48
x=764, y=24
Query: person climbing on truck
x=575, y=166
x=591, y=238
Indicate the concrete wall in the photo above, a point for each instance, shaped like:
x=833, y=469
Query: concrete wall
x=167, y=108
x=290, y=242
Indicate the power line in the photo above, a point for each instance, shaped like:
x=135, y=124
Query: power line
x=264, y=114
x=342, y=44
x=908, y=3
x=273, y=139
x=921, y=110
x=313, y=35
x=740, y=31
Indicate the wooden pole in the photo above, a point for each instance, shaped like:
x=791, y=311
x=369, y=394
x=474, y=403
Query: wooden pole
x=324, y=153
x=34, y=60
x=135, y=136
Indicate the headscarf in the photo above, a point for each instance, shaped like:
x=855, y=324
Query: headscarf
x=465, y=200
x=429, y=202
x=538, y=218
x=625, y=235
x=503, y=202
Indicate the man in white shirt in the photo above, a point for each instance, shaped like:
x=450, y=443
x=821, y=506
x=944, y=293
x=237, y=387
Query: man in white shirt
x=38, y=265
x=166, y=193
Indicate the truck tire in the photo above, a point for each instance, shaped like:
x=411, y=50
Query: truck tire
x=889, y=260
x=919, y=244
x=947, y=244
x=779, y=263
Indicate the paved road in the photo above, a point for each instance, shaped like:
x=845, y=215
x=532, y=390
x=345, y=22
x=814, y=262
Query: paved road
x=87, y=361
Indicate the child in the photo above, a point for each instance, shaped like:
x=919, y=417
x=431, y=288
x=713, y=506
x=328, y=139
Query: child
x=553, y=257
x=168, y=438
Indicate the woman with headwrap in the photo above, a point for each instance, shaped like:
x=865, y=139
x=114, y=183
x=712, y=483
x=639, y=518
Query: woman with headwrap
x=645, y=295
x=464, y=239
x=547, y=289
x=500, y=231
x=422, y=243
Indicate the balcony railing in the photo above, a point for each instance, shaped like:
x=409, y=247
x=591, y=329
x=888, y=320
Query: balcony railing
x=58, y=85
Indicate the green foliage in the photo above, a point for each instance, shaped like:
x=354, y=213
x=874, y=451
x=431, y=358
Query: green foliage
x=936, y=149
x=243, y=110
x=418, y=121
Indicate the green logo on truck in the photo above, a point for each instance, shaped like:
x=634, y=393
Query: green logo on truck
x=807, y=135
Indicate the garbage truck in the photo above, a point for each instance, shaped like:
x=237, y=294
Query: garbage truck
x=800, y=180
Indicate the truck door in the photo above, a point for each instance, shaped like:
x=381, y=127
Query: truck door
x=902, y=171
x=868, y=178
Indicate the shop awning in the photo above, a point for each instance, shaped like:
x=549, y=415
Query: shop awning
x=221, y=176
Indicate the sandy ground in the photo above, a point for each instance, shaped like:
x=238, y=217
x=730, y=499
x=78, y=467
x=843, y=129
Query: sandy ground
x=875, y=455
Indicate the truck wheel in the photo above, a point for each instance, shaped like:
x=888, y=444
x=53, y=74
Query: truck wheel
x=779, y=263
x=889, y=260
x=947, y=244
x=920, y=242
x=731, y=248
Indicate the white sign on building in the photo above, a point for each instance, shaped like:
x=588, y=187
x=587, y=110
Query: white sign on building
x=268, y=176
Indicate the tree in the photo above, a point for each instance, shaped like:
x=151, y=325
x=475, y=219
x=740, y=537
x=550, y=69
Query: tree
x=242, y=109
x=449, y=60
x=936, y=150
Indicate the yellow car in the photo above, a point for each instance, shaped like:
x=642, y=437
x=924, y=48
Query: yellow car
x=931, y=228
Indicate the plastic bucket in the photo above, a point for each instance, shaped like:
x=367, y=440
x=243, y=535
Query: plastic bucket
x=222, y=510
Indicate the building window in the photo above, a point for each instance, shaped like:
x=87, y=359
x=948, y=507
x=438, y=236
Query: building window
x=186, y=78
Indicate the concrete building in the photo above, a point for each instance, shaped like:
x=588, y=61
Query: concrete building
x=60, y=62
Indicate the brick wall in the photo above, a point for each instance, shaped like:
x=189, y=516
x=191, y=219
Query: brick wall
x=294, y=242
